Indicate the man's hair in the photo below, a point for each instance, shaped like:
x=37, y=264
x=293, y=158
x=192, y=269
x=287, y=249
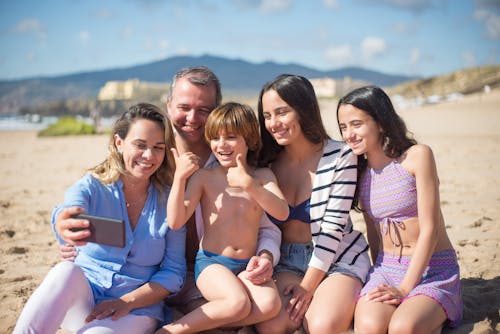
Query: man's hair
x=201, y=76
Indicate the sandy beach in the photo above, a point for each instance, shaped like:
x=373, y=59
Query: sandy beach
x=464, y=136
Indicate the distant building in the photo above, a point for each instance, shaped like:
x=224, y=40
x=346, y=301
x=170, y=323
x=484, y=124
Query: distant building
x=329, y=87
x=131, y=90
x=325, y=87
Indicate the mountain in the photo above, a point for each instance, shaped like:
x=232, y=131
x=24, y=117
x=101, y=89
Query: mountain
x=236, y=75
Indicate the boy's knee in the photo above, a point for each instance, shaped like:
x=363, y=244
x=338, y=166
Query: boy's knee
x=270, y=305
x=239, y=305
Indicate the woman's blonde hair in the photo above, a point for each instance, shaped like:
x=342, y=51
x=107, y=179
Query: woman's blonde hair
x=113, y=167
x=238, y=119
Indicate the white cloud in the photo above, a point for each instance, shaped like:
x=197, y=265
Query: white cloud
x=269, y=6
x=340, y=55
x=103, y=14
x=469, y=59
x=402, y=28
x=30, y=57
x=163, y=45
x=373, y=46
x=415, y=56
x=411, y=5
x=148, y=45
x=31, y=26
x=126, y=32
x=491, y=22
x=150, y=5
x=28, y=25
x=84, y=36
x=489, y=5
x=331, y=3
x=183, y=51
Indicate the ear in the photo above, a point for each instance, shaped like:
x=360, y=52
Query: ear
x=118, y=143
x=168, y=103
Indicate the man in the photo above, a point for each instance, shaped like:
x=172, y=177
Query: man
x=194, y=93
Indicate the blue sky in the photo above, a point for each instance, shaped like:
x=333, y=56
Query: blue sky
x=414, y=37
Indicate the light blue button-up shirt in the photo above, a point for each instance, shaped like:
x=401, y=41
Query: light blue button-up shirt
x=152, y=253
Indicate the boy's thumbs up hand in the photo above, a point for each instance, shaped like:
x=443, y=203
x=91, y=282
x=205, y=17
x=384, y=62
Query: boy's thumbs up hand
x=239, y=163
x=237, y=176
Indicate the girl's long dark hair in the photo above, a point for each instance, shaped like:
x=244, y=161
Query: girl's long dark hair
x=298, y=93
x=396, y=138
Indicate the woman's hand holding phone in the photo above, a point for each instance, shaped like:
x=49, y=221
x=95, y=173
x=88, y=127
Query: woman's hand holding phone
x=72, y=230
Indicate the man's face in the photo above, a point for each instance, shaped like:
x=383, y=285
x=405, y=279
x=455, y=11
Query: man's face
x=188, y=109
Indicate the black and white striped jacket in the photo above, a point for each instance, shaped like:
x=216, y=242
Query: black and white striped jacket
x=333, y=236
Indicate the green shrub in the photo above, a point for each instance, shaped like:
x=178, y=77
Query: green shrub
x=67, y=126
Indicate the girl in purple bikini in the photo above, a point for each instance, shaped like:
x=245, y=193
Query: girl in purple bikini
x=414, y=284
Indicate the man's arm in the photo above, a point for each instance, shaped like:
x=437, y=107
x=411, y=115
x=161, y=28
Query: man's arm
x=260, y=267
x=269, y=239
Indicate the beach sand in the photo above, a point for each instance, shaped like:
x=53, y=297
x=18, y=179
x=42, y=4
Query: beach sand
x=464, y=136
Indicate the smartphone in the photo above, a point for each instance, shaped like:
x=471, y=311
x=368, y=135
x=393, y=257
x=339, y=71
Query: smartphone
x=107, y=231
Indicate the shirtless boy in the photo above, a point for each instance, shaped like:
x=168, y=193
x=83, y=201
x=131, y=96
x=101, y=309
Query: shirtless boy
x=233, y=199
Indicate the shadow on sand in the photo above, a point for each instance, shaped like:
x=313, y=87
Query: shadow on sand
x=481, y=303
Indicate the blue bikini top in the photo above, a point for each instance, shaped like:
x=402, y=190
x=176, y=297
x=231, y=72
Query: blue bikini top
x=300, y=212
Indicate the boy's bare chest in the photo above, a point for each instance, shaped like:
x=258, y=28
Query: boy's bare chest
x=231, y=203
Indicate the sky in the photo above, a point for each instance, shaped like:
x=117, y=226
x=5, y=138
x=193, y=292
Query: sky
x=409, y=37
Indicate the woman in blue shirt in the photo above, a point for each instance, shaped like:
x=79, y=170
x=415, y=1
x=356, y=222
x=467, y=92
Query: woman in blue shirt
x=111, y=289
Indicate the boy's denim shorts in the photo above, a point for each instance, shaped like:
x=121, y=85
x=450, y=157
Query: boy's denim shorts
x=295, y=258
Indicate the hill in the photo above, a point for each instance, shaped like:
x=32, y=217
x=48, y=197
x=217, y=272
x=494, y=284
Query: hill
x=237, y=76
x=466, y=81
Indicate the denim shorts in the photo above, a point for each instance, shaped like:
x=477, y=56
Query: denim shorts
x=295, y=258
x=205, y=258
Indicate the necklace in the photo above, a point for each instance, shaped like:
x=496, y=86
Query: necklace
x=140, y=200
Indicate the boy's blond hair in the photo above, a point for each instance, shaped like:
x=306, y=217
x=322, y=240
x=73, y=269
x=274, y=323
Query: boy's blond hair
x=238, y=119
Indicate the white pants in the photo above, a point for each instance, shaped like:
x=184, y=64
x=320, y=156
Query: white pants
x=64, y=299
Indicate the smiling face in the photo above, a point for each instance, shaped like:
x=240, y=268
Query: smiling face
x=359, y=130
x=226, y=147
x=189, y=108
x=281, y=120
x=143, y=149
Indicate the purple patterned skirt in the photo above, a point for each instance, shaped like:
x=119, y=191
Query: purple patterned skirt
x=440, y=280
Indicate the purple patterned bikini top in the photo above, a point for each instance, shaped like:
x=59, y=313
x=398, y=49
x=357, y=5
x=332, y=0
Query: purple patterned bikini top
x=388, y=195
